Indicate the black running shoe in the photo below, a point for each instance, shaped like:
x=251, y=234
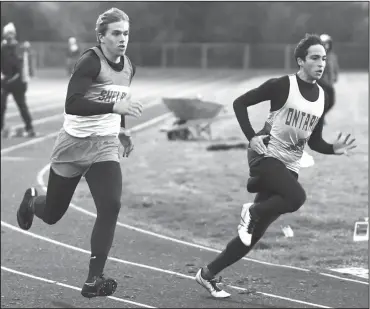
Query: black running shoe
x=99, y=287
x=6, y=133
x=29, y=133
x=25, y=211
x=22, y=132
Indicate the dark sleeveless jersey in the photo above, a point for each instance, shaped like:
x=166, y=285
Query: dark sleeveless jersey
x=108, y=87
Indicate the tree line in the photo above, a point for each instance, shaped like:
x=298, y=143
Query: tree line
x=157, y=22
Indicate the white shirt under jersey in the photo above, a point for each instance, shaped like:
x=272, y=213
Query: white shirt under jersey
x=292, y=126
x=109, y=86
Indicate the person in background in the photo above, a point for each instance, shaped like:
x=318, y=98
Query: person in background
x=15, y=73
x=73, y=53
x=331, y=72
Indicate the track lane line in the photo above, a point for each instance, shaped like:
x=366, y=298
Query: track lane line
x=169, y=272
x=136, y=129
x=10, y=270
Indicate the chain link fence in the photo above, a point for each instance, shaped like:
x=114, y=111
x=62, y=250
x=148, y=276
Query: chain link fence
x=208, y=55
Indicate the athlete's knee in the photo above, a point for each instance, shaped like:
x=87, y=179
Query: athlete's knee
x=51, y=220
x=111, y=208
x=254, y=184
x=297, y=199
x=115, y=206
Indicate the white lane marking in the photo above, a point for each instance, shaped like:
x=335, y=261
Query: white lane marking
x=347, y=279
x=70, y=286
x=28, y=143
x=39, y=109
x=36, y=140
x=60, y=116
x=150, y=123
x=39, y=104
x=185, y=90
x=16, y=159
x=151, y=103
x=39, y=121
x=141, y=127
x=40, y=181
x=355, y=271
x=40, y=177
x=170, y=272
x=153, y=90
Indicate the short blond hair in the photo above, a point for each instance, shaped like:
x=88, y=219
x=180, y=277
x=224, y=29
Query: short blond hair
x=110, y=16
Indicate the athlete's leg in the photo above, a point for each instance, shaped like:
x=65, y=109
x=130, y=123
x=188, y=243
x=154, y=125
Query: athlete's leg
x=4, y=100
x=235, y=249
x=50, y=207
x=107, y=198
x=65, y=173
x=19, y=94
x=288, y=194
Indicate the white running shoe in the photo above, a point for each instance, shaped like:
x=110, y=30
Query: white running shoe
x=211, y=286
x=246, y=225
x=306, y=160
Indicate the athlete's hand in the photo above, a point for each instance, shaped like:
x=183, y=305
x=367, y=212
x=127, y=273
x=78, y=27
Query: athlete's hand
x=343, y=145
x=126, y=141
x=13, y=79
x=257, y=144
x=128, y=107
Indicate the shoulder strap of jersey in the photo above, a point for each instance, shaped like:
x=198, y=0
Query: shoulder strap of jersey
x=98, y=52
x=131, y=69
x=293, y=83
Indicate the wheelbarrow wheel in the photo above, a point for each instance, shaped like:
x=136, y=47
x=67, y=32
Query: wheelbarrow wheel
x=171, y=135
x=184, y=134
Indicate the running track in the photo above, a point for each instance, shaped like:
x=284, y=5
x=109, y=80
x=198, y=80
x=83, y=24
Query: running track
x=47, y=266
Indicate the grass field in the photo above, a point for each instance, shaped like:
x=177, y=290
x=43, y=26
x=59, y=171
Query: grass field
x=182, y=190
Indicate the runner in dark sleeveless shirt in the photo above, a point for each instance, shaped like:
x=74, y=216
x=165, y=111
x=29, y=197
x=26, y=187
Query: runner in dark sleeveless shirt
x=97, y=100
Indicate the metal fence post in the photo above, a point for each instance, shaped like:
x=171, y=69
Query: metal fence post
x=287, y=56
x=164, y=55
x=246, y=56
x=204, y=60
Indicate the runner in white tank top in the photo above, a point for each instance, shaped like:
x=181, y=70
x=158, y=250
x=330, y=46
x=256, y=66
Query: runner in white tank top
x=296, y=117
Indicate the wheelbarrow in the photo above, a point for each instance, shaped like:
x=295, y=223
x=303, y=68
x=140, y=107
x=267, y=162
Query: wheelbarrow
x=193, y=116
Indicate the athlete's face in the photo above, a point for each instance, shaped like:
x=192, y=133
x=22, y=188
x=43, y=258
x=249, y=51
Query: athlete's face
x=314, y=64
x=116, y=38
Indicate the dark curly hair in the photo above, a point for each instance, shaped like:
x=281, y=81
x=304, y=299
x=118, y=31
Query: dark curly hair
x=301, y=50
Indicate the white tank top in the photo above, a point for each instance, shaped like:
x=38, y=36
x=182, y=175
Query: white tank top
x=110, y=86
x=292, y=126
